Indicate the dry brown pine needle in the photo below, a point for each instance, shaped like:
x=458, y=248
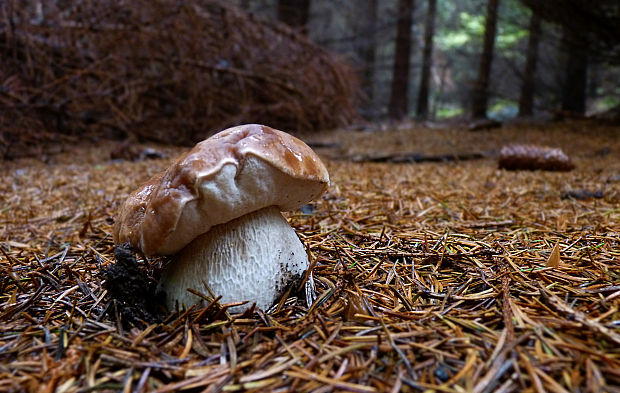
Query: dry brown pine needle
x=430, y=276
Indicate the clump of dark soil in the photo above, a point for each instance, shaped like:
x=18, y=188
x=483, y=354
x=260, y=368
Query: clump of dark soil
x=136, y=301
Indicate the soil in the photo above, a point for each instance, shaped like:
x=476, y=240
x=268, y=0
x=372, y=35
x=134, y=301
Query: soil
x=135, y=298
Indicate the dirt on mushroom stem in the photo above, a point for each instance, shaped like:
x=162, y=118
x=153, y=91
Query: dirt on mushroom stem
x=132, y=290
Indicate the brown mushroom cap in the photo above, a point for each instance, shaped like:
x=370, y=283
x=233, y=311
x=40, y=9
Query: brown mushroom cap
x=232, y=173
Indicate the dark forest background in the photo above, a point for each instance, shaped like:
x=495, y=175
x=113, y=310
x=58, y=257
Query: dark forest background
x=439, y=59
x=177, y=71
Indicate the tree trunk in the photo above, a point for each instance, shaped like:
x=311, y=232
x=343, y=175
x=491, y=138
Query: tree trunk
x=427, y=60
x=402, y=52
x=576, y=72
x=526, y=100
x=366, y=27
x=481, y=87
x=295, y=13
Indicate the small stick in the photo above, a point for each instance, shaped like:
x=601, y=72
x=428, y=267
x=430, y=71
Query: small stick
x=571, y=314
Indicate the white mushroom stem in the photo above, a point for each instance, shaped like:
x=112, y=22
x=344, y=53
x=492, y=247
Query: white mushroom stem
x=251, y=258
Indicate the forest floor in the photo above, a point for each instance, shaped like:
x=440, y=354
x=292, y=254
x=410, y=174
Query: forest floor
x=433, y=276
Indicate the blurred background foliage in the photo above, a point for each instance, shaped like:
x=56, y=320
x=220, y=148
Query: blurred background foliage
x=458, y=39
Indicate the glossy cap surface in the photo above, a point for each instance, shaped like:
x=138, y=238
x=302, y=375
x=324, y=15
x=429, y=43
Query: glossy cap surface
x=234, y=172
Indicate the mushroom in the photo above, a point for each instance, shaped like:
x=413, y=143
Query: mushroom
x=216, y=211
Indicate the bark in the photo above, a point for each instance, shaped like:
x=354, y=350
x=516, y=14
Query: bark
x=576, y=73
x=402, y=53
x=481, y=87
x=295, y=13
x=526, y=100
x=427, y=60
x=366, y=28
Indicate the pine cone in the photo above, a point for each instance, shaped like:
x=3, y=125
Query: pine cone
x=532, y=157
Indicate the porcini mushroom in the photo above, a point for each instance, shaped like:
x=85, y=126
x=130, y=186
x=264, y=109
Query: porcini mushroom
x=216, y=210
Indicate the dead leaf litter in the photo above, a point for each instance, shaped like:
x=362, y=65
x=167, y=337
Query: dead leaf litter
x=431, y=276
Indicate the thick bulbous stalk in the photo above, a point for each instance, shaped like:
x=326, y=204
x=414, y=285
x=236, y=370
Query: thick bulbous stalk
x=252, y=258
